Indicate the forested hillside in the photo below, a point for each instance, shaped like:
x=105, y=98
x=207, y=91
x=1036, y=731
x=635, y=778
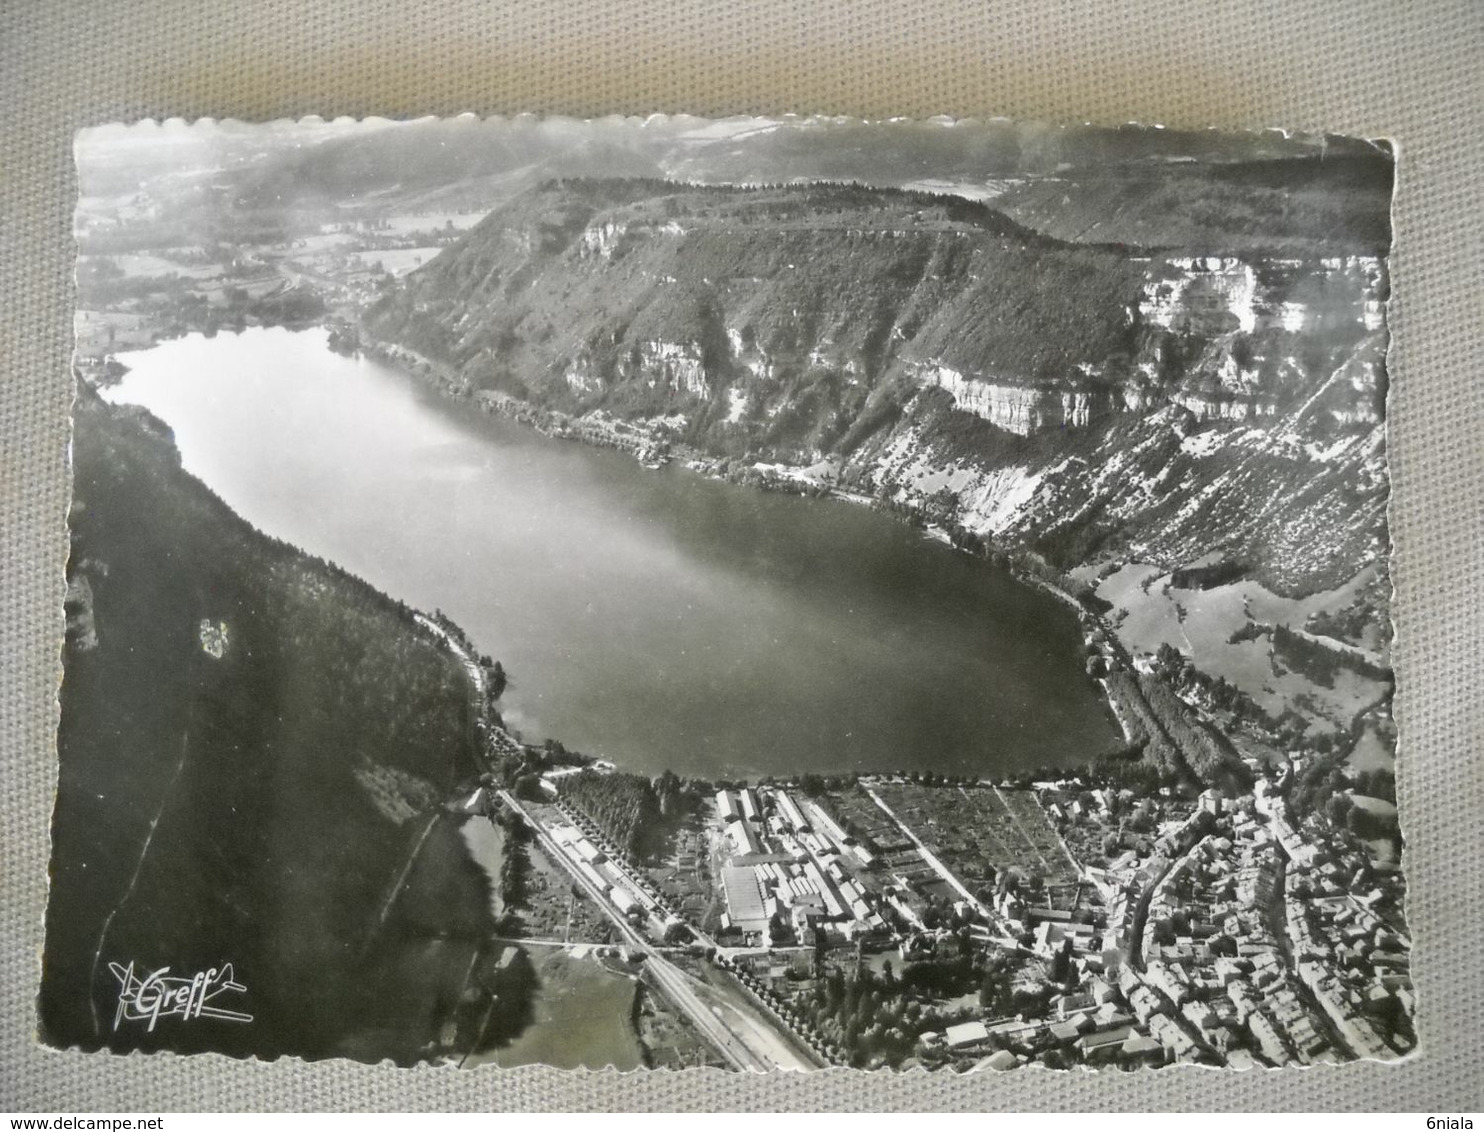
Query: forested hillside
x=252, y=748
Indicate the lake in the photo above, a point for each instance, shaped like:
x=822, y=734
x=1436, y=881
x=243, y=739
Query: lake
x=655, y=618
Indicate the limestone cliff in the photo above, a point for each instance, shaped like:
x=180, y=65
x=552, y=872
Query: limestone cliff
x=1089, y=401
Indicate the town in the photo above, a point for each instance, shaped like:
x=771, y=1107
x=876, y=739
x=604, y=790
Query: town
x=906, y=920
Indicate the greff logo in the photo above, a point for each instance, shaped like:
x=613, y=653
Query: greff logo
x=163, y=995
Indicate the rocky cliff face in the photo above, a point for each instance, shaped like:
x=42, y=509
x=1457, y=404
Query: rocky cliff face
x=1086, y=400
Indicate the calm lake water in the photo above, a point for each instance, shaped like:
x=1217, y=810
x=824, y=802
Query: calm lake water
x=658, y=619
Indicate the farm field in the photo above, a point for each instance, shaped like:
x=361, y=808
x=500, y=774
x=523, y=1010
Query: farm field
x=684, y=877
x=1149, y=611
x=980, y=831
x=553, y=911
x=583, y=1017
x=855, y=810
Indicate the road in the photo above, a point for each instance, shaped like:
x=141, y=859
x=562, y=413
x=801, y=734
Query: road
x=1141, y=914
x=471, y=666
x=1277, y=915
x=743, y=1047
x=991, y=917
x=401, y=882
x=590, y=829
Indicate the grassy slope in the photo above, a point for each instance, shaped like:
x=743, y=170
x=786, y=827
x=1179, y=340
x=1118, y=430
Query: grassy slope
x=583, y=1019
x=265, y=852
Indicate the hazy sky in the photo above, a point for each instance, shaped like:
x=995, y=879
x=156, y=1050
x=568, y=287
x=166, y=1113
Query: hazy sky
x=895, y=152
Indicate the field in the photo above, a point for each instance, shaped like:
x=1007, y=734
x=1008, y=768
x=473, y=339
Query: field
x=895, y=852
x=150, y=266
x=486, y=844
x=1371, y=753
x=1149, y=611
x=553, y=912
x=684, y=877
x=583, y=1017
x=979, y=832
x=669, y=1039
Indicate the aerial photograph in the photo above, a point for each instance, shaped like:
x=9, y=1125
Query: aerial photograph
x=758, y=593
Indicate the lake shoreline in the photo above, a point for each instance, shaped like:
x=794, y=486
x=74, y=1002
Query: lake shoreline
x=924, y=628
x=642, y=441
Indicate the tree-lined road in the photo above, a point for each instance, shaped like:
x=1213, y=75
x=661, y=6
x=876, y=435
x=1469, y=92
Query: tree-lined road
x=744, y=1043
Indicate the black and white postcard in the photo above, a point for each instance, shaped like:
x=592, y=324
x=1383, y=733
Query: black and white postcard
x=756, y=593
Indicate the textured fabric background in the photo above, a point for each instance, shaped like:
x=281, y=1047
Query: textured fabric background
x=1408, y=71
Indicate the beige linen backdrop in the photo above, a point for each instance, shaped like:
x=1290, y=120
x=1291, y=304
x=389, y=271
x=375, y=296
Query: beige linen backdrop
x=1407, y=71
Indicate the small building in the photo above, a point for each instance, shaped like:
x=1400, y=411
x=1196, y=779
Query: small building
x=1016, y=1030
x=792, y=818
x=597, y=879
x=1269, y=1041
x=744, y=840
x=826, y=824
x=999, y=1061
x=748, y=801
x=1240, y=1059
x=966, y=1034
x=1141, y=1050
x=1199, y=1015
x=1146, y=1003
x=1169, y=1034
x=1109, y=1017
x=1103, y=1045
x=1065, y=1033
x=726, y=806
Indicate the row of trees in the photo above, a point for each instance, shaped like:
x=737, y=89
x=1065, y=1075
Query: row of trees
x=879, y=1017
x=515, y=862
x=870, y=1017
x=639, y=815
x=1178, y=749
x=1209, y=755
x=1319, y=662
